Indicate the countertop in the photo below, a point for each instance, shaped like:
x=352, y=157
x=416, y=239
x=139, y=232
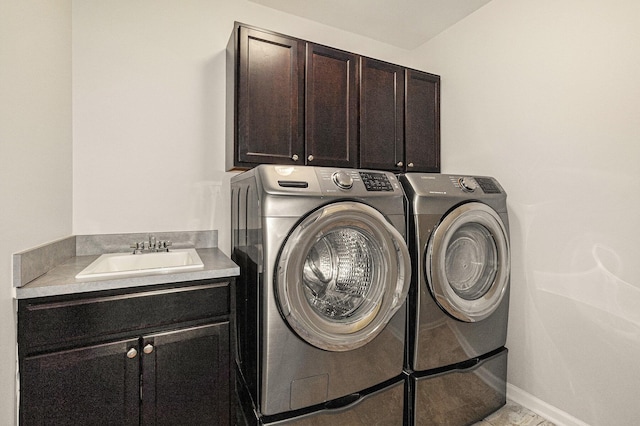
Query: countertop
x=61, y=279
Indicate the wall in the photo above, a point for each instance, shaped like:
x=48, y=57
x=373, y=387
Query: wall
x=149, y=109
x=544, y=96
x=35, y=149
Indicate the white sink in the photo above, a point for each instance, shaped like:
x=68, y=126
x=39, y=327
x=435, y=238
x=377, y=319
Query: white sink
x=117, y=264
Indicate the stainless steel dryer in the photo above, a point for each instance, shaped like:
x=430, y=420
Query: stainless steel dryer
x=324, y=276
x=459, y=298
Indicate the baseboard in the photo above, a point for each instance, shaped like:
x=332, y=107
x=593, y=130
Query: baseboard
x=548, y=411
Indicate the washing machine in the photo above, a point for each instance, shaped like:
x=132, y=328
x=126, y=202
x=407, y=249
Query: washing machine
x=459, y=297
x=321, y=299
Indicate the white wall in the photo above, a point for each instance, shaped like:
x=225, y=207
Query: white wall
x=545, y=96
x=35, y=150
x=149, y=109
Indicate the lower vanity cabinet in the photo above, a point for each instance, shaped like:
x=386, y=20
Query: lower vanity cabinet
x=94, y=384
x=158, y=356
x=185, y=376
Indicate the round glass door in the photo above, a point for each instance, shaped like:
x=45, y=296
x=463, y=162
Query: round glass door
x=468, y=261
x=342, y=274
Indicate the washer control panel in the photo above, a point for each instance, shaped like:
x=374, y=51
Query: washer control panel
x=320, y=181
x=376, y=181
x=356, y=182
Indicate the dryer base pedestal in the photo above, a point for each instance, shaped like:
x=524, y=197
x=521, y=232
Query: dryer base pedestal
x=462, y=394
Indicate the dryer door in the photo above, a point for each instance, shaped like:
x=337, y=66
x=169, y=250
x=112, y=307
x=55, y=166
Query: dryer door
x=342, y=274
x=467, y=262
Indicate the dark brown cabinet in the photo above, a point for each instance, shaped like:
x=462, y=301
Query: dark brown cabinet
x=96, y=384
x=422, y=122
x=267, y=94
x=290, y=101
x=331, y=107
x=152, y=357
x=381, y=115
x=185, y=376
x=399, y=118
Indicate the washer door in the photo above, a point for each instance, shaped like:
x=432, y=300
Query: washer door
x=342, y=274
x=467, y=262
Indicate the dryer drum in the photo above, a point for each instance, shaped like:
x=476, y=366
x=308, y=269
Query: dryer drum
x=471, y=261
x=342, y=274
x=468, y=261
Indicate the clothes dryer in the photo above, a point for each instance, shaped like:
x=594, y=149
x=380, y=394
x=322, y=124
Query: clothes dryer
x=325, y=272
x=459, y=298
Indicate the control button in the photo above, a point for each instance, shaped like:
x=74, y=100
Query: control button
x=488, y=185
x=467, y=184
x=376, y=181
x=342, y=179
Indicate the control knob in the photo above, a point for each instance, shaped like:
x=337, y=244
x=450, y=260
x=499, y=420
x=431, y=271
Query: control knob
x=342, y=179
x=467, y=184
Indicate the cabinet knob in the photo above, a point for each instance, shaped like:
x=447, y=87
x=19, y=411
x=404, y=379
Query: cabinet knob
x=294, y=157
x=148, y=349
x=132, y=353
x=399, y=164
x=410, y=165
x=310, y=158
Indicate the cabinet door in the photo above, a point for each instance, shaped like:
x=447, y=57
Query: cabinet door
x=185, y=376
x=422, y=131
x=95, y=385
x=331, y=123
x=270, y=96
x=381, y=115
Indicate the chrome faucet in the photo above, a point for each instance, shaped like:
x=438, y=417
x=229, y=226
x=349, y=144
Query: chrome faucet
x=152, y=246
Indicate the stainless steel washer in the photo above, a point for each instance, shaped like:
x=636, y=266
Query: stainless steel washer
x=324, y=276
x=459, y=298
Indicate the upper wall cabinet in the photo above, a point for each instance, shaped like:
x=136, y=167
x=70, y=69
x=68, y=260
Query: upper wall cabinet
x=290, y=101
x=381, y=115
x=331, y=107
x=399, y=118
x=265, y=98
x=422, y=122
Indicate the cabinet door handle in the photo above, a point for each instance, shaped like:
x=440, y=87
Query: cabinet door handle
x=399, y=164
x=410, y=165
x=131, y=353
x=294, y=157
x=310, y=158
x=148, y=349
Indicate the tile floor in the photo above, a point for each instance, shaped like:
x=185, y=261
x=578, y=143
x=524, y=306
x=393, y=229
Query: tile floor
x=514, y=414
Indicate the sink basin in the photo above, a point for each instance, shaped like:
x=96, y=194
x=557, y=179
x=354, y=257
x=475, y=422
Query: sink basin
x=117, y=264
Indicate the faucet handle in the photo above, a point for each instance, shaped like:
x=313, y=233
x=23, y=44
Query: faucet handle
x=137, y=246
x=164, y=245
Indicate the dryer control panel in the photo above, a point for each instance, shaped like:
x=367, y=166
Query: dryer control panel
x=471, y=184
